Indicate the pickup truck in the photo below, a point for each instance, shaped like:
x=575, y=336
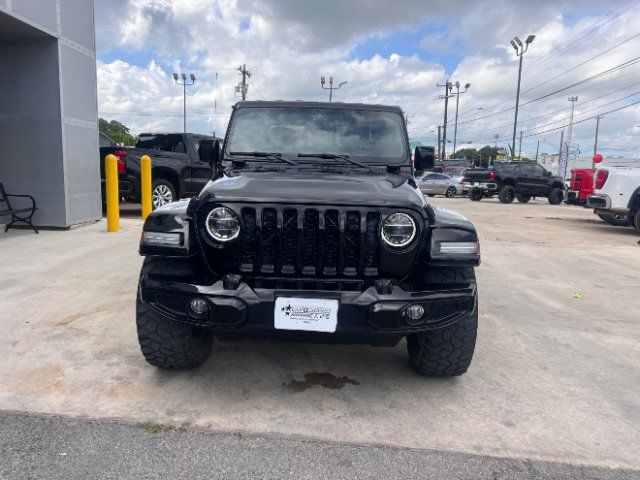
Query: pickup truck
x=581, y=186
x=178, y=170
x=514, y=180
x=617, y=192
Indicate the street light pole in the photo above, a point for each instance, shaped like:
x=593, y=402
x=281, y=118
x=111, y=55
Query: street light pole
x=455, y=128
x=184, y=84
x=331, y=88
x=573, y=101
x=516, y=43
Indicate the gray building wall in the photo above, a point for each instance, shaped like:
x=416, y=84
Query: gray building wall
x=48, y=108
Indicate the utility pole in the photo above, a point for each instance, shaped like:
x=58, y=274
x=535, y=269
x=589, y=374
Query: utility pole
x=520, y=147
x=439, y=142
x=595, y=144
x=184, y=84
x=215, y=107
x=331, y=88
x=573, y=101
x=496, y=136
x=516, y=43
x=561, y=140
x=242, y=87
x=537, y=150
x=448, y=86
x=455, y=129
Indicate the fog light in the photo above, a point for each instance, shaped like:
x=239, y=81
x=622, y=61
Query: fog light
x=414, y=312
x=199, y=306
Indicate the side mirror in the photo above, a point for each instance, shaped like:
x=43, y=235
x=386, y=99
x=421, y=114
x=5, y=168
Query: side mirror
x=424, y=159
x=205, y=152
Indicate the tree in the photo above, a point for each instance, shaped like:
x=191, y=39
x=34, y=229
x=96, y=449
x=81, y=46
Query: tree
x=118, y=132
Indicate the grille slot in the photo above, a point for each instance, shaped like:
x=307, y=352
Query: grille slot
x=269, y=240
x=289, y=243
x=372, y=245
x=247, y=240
x=310, y=235
x=330, y=242
x=351, y=244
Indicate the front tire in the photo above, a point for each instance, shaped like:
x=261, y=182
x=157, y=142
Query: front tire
x=446, y=352
x=555, y=196
x=166, y=343
x=523, y=198
x=475, y=194
x=451, y=192
x=507, y=194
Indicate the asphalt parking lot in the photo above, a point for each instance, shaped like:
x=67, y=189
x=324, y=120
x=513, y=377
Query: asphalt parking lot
x=555, y=376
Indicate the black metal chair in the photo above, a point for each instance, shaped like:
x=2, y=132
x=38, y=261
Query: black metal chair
x=17, y=214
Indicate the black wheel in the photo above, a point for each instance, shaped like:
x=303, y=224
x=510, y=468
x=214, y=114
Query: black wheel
x=165, y=343
x=523, y=198
x=451, y=192
x=555, y=196
x=507, y=194
x=475, y=194
x=615, y=219
x=446, y=352
x=163, y=192
x=431, y=194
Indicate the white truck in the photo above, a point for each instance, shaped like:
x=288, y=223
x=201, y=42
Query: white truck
x=617, y=192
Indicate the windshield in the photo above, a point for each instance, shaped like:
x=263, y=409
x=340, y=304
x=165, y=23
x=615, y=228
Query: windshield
x=371, y=136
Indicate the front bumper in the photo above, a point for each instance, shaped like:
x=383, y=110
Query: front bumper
x=239, y=309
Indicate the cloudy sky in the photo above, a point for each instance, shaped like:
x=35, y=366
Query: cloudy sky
x=388, y=52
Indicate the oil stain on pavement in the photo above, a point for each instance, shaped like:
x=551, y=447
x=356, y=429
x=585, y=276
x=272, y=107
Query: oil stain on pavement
x=322, y=379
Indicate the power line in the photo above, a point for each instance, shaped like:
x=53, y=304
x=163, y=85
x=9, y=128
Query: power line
x=626, y=64
x=585, y=119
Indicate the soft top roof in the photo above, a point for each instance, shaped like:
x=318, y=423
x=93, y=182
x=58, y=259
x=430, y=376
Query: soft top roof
x=302, y=104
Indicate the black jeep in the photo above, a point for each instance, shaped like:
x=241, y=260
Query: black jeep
x=313, y=224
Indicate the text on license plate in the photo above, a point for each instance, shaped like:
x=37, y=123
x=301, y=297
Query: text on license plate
x=307, y=314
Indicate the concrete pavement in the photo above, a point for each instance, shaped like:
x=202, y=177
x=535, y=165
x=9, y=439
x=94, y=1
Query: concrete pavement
x=554, y=378
x=69, y=449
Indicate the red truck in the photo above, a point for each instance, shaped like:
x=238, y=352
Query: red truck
x=580, y=186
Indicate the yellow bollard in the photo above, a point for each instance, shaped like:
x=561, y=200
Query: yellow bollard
x=113, y=202
x=145, y=191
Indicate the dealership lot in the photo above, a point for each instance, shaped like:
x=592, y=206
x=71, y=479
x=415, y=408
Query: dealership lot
x=555, y=376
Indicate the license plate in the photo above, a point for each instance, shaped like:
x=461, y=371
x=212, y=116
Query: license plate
x=307, y=314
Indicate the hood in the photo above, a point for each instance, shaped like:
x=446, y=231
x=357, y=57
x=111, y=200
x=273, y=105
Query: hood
x=329, y=188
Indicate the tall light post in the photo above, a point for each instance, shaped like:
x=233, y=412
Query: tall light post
x=517, y=45
x=331, y=88
x=184, y=84
x=455, y=128
x=573, y=101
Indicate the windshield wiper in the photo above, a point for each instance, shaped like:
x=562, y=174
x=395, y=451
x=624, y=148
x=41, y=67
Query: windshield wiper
x=336, y=156
x=273, y=156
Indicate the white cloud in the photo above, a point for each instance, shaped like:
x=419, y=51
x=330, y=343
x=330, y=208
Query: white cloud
x=289, y=44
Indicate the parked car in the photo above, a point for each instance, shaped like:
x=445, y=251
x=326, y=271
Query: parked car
x=313, y=228
x=617, y=192
x=581, y=185
x=515, y=180
x=439, y=184
x=479, y=183
x=178, y=170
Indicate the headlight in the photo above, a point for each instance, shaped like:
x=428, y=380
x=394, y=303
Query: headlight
x=398, y=230
x=222, y=224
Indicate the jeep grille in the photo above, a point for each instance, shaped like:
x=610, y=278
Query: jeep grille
x=329, y=242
